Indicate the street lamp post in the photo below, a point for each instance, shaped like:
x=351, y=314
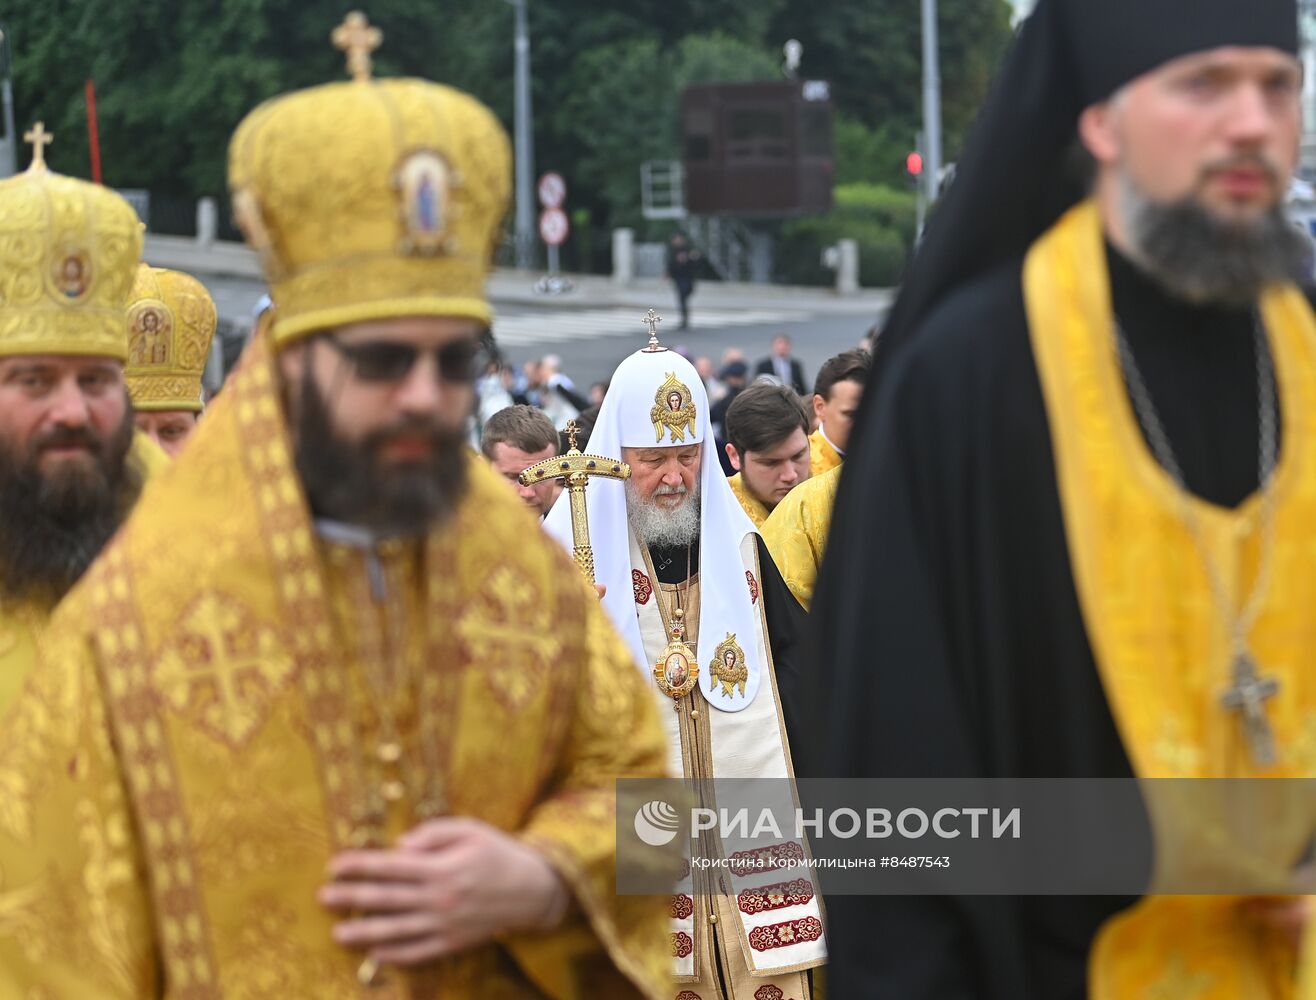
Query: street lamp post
x=931, y=103
x=8, y=155
x=525, y=143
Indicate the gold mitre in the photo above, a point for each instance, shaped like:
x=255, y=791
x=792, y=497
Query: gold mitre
x=371, y=199
x=171, y=321
x=68, y=250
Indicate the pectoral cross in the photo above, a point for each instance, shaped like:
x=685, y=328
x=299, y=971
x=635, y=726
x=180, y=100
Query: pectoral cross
x=358, y=39
x=651, y=321
x=577, y=470
x=39, y=139
x=1247, y=696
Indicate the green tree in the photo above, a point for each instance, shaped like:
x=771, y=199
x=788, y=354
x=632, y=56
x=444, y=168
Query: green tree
x=872, y=54
x=622, y=108
x=174, y=77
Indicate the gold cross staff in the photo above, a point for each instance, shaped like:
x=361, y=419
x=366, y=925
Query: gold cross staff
x=577, y=470
x=358, y=39
x=39, y=139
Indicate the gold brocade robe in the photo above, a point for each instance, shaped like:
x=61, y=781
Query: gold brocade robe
x=22, y=625
x=207, y=731
x=796, y=532
x=752, y=506
x=822, y=456
x=1161, y=646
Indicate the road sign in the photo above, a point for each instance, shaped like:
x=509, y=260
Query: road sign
x=554, y=227
x=552, y=190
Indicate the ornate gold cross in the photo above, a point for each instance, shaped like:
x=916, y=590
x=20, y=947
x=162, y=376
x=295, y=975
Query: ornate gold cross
x=239, y=680
x=358, y=39
x=577, y=470
x=651, y=321
x=39, y=139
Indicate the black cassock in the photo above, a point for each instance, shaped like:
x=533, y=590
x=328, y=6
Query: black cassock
x=950, y=638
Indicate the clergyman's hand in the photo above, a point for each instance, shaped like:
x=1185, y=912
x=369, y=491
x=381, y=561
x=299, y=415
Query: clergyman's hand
x=450, y=884
x=602, y=590
x=1288, y=916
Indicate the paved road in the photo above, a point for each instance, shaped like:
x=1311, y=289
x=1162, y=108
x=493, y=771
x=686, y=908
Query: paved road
x=593, y=357
x=592, y=340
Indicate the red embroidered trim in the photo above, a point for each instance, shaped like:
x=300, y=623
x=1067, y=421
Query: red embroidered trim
x=753, y=587
x=788, y=933
x=682, y=946
x=685, y=868
x=682, y=907
x=762, y=859
x=775, y=897
x=687, y=995
x=641, y=587
x=768, y=993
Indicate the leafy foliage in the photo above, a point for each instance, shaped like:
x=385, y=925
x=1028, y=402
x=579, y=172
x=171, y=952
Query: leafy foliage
x=881, y=219
x=174, y=77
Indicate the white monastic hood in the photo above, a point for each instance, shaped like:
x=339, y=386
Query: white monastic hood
x=640, y=411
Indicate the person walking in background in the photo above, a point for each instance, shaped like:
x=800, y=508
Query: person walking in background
x=682, y=261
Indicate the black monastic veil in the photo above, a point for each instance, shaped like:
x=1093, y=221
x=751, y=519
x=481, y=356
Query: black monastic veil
x=950, y=640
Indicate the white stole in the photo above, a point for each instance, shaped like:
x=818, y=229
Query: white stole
x=775, y=937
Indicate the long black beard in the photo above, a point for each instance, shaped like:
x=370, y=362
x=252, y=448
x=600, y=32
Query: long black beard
x=1200, y=258
x=54, y=526
x=346, y=481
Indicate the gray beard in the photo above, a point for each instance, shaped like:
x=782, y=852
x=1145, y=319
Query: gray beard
x=660, y=528
x=1200, y=258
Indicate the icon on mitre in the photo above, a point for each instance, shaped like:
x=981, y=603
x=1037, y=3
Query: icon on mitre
x=673, y=410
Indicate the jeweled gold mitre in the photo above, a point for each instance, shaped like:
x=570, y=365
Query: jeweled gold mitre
x=371, y=199
x=68, y=252
x=171, y=322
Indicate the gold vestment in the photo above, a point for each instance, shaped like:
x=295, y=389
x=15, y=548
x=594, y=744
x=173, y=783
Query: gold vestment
x=208, y=730
x=796, y=532
x=822, y=456
x=1160, y=643
x=752, y=505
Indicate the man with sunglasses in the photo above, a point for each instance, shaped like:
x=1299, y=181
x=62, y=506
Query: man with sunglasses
x=363, y=725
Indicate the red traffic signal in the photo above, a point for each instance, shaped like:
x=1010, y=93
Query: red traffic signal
x=914, y=164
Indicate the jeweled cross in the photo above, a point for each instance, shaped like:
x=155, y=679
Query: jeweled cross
x=39, y=139
x=1247, y=696
x=358, y=39
x=577, y=470
x=651, y=321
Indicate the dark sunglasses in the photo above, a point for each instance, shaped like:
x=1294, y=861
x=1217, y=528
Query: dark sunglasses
x=386, y=361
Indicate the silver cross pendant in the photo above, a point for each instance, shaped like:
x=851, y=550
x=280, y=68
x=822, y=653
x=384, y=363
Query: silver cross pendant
x=1247, y=696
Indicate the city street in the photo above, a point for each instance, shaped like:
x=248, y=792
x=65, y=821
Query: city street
x=591, y=339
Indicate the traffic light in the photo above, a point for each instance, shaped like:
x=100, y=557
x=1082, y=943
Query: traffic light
x=914, y=168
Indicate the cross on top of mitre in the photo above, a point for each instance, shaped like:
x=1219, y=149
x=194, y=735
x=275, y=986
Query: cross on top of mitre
x=39, y=139
x=358, y=39
x=651, y=320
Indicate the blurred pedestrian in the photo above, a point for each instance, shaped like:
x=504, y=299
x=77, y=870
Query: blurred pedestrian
x=786, y=369
x=682, y=263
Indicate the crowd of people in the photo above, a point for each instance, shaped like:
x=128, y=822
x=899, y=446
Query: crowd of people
x=327, y=684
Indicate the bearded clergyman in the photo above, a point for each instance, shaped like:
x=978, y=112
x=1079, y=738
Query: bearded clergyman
x=70, y=464
x=721, y=642
x=1078, y=509
x=266, y=753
